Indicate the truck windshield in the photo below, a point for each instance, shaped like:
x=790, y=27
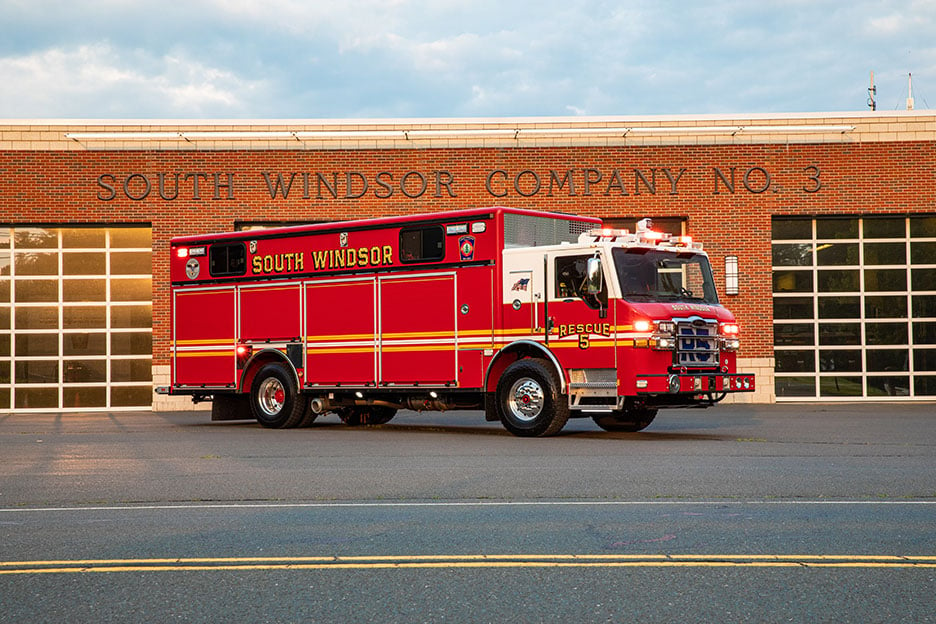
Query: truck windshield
x=653, y=275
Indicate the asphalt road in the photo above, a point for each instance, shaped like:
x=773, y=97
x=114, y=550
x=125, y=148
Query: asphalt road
x=740, y=513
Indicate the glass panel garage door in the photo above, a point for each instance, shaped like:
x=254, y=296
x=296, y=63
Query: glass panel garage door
x=855, y=308
x=75, y=318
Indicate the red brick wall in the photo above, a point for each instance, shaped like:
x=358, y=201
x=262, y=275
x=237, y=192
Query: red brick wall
x=62, y=187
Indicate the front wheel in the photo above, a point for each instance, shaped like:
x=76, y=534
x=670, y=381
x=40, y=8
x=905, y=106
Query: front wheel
x=275, y=400
x=627, y=420
x=529, y=400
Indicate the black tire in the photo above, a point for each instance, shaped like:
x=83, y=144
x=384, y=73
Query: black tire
x=275, y=400
x=308, y=419
x=628, y=421
x=374, y=415
x=529, y=401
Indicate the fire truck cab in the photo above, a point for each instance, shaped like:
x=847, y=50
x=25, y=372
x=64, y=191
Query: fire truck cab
x=533, y=317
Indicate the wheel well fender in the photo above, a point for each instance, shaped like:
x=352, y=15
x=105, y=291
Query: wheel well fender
x=517, y=351
x=260, y=359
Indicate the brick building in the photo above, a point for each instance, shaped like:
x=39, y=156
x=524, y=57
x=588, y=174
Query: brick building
x=831, y=217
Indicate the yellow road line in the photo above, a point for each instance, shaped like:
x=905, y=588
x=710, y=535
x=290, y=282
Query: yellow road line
x=463, y=561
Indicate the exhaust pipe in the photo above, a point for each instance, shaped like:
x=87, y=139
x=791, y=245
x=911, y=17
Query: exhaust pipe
x=319, y=405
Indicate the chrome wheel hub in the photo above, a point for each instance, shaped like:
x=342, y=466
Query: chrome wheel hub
x=272, y=396
x=526, y=399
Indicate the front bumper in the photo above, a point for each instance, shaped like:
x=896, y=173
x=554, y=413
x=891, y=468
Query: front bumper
x=694, y=383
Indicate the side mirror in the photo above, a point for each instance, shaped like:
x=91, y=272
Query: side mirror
x=593, y=277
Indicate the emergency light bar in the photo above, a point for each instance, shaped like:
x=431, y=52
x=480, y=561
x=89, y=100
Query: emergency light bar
x=641, y=237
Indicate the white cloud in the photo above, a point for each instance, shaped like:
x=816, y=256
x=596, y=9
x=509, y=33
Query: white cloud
x=382, y=58
x=104, y=82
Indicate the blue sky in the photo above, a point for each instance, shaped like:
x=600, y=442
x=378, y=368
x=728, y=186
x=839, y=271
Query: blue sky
x=294, y=59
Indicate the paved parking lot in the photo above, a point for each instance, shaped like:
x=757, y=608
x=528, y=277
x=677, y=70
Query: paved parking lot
x=741, y=513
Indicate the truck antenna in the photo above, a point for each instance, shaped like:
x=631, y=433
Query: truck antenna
x=909, y=91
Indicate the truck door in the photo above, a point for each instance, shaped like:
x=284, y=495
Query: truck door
x=204, y=321
x=417, y=329
x=584, y=339
x=522, y=298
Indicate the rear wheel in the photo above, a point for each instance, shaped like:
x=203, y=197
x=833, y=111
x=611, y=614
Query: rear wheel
x=529, y=400
x=372, y=415
x=627, y=420
x=275, y=400
x=308, y=419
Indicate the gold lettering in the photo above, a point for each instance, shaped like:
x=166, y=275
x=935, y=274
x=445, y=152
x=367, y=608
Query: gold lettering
x=257, y=264
x=267, y=264
x=326, y=259
x=319, y=260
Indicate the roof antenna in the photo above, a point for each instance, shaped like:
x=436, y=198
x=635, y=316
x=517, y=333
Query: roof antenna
x=872, y=92
x=909, y=91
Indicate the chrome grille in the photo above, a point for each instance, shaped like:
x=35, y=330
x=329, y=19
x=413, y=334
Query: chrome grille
x=697, y=344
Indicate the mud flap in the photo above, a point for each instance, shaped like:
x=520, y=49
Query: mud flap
x=231, y=407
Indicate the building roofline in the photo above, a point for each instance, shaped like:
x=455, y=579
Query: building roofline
x=458, y=133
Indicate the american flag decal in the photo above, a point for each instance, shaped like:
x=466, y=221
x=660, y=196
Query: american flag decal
x=521, y=284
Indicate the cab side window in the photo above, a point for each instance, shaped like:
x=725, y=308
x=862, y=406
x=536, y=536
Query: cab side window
x=571, y=278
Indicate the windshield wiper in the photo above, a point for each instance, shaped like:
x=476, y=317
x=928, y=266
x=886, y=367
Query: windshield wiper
x=640, y=295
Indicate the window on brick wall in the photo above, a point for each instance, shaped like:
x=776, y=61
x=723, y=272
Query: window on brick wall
x=855, y=307
x=75, y=318
x=670, y=225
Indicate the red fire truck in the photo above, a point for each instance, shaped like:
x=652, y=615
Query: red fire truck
x=534, y=317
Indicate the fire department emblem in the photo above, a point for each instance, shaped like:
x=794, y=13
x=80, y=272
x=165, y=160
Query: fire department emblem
x=192, y=268
x=466, y=246
x=343, y=239
x=253, y=247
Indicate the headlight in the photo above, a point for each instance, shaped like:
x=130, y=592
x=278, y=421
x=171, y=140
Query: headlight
x=664, y=339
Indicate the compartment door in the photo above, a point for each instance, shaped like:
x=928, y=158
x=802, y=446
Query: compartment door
x=204, y=322
x=417, y=330
x=341, y=332
x=271, y=313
